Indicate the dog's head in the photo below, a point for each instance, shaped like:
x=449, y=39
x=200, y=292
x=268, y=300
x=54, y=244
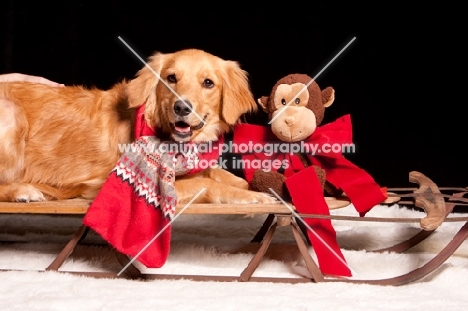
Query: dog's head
x=191, y=95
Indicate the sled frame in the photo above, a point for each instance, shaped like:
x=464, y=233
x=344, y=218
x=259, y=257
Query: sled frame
x=437, y=202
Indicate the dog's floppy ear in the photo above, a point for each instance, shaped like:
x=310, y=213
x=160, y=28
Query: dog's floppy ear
x=142, y=89
x=237, y=97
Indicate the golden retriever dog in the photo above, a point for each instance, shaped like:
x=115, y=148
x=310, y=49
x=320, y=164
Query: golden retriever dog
x=62, y=142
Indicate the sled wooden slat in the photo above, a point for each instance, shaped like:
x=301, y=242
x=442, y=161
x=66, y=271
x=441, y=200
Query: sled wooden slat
x=80, y=206
x=73, y=206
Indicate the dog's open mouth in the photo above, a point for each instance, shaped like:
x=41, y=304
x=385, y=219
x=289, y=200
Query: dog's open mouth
x=184, y=130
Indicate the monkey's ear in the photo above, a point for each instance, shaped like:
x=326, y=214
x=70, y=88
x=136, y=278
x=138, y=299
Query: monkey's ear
x=263, y=102
x=328, y=96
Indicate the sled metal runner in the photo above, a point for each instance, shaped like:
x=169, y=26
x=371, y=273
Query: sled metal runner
x=437, y=202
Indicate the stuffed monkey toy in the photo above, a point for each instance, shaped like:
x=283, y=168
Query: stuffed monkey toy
x=304, y=107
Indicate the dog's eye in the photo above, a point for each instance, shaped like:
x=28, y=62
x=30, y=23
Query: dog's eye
x=297, y=101
x=283, y=102
x=172, y=78
x=208, y=83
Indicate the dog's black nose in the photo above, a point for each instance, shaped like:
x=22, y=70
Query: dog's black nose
x=182, y=108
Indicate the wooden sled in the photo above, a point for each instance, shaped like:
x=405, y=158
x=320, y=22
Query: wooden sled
x=437, y=202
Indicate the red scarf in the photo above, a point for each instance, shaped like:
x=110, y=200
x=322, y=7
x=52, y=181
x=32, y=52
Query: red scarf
x=305, y=188
x=134, y=206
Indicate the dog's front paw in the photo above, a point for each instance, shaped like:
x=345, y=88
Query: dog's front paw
x=260, y=197
x=28, y=193
x=268, y=198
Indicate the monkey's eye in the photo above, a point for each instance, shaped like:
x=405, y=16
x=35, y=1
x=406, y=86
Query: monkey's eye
x=172, y=78
x=208, y=83
x=297, y=101
x=283, y=101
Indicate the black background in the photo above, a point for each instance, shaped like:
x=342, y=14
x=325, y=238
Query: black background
x=402, y=79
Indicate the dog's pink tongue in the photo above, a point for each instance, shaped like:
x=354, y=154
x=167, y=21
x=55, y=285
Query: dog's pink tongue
x=184, y=129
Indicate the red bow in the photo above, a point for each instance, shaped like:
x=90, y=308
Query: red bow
x=303, y=184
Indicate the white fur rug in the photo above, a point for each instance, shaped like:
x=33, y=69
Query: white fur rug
x=208, y=245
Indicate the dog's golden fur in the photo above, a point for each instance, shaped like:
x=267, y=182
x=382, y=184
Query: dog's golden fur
x=63, y=142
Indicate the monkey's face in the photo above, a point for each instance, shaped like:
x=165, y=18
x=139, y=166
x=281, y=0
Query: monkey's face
x=292, y=120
